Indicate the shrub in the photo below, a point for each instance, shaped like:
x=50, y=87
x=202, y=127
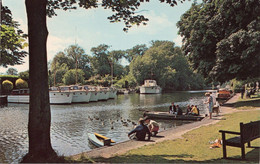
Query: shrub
x=7, y=85
x=20, y=83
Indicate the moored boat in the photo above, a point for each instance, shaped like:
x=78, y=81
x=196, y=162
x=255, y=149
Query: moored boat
x=99, y=140
x=80, y=95
x=94, y=93
x=23, y=96
x=168, y=116
x=150, y=87
x=224, y=94
x=112, y=93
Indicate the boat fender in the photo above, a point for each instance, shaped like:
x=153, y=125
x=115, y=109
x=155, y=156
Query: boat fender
x=107, y=142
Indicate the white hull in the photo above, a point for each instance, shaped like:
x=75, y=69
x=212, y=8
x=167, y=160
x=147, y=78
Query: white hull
x=94, y=96
x=23, y=99
x=55, y=98
x=80, y=96
x=103, y=95
x=150, y=90
x=112, y=94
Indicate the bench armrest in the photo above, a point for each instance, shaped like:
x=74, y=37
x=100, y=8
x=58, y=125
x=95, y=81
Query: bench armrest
x=230, y=132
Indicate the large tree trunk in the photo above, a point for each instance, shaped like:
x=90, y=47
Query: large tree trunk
x=39, y=113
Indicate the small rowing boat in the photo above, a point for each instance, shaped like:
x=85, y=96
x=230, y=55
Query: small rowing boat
x=99, y=140
x=168, y=116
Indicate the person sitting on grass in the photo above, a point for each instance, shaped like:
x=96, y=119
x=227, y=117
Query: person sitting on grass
x=140, y=132
x=153, y=126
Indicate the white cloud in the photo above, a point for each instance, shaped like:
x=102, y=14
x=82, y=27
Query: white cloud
x=155, y=24
x=178, y=40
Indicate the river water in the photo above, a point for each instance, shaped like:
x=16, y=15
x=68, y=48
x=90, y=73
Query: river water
x=71, y=123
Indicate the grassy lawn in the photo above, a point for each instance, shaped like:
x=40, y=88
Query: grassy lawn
x=194, y=146
x=248, y=103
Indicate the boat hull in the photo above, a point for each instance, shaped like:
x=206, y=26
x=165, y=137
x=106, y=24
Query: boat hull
x=168, y=116
x=81, y=96
x=55, y=98
x=94, y=96
x=97, y=139
x=150, y=90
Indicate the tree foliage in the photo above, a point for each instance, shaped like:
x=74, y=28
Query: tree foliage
x=12, y=40
x=12, y=71
x=7, y=85
x=69, y=77
x=164, y=63
x=20, y=83
x=221, y=38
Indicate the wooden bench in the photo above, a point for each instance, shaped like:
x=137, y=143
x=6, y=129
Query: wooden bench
x=248, y=132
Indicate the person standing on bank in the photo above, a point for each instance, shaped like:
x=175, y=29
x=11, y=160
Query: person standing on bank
x=242, y=91
x=210, y=102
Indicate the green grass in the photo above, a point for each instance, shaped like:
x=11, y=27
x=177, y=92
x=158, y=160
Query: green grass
x=248, y=103
x=194, y=146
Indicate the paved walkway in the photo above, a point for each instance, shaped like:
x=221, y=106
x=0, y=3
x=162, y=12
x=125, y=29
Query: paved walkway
x=170, y=134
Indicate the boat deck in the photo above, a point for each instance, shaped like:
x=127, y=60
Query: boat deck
x=168, y=116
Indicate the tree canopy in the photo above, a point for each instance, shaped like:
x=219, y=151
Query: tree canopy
x=221, y=38
x=12, y=40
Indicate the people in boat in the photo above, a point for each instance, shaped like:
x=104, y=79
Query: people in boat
x=194, y=111
x=140, y=131
x=188, y=110
x=172, y=109
x=153, y=126
x=179, y=111
x=210, y=104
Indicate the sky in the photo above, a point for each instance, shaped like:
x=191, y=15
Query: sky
x=90, y=28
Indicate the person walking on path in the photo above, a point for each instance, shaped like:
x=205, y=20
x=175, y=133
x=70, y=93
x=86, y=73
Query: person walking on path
x=140, y=131
x=210, y=102
x=242, y=91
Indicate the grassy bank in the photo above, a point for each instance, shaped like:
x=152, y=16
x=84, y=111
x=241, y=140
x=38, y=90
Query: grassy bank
x=248, y=103
x=194, y=146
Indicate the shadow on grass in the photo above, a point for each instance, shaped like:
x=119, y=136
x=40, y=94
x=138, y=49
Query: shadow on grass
x=251, y=157
x=249, y=103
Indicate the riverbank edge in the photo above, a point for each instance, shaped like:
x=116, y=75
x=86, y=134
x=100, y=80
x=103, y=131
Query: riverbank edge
x=170, y=134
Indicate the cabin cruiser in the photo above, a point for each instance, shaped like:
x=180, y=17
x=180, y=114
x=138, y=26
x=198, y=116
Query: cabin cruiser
x=94, y=93
x=104, y=93
x=79, y=95
x=150, y=87
x=113, y=92
x=23, y=96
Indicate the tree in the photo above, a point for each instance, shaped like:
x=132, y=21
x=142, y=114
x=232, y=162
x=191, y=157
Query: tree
x=20, y=83
x=7, y=85
x=137, y=50
x=221, y=38
x=69, y=77
x=39, y=115
x=12, y=40
x=12, y=71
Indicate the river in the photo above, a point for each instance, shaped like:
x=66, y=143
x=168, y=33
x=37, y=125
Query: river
x=71, y=123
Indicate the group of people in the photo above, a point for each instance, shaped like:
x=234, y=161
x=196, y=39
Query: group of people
x=175, y=109
x=146, y=127
x=191, y=110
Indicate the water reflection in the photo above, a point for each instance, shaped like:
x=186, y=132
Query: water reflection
x=71, y=123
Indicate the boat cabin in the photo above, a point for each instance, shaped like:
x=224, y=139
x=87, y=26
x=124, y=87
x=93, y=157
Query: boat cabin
x=20, y=92
x=150, y=83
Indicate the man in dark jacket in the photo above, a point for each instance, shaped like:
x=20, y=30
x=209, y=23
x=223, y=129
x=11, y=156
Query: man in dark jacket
x=172, y=109
x=141, y=131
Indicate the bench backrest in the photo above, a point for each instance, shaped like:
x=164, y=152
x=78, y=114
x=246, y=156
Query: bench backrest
x=250, y=131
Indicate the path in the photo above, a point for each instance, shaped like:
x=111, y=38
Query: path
x=170, y=134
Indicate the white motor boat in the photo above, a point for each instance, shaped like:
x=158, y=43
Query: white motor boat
x=94, y=93
x=79, y=94
x=23, y=96
x=113, y=92
x=150, y=87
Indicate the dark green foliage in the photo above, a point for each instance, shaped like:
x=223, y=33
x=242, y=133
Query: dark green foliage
x=12, y=40
x=221, y=38
x=166, y=64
